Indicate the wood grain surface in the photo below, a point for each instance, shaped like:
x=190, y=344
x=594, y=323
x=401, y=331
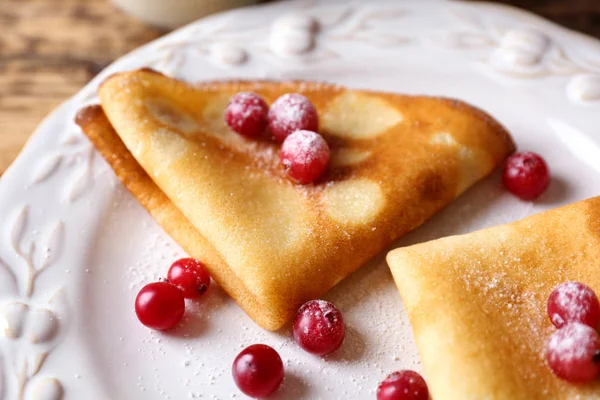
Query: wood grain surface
x=50, y=48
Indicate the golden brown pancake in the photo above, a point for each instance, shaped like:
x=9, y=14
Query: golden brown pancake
x=477, y=303
x=271, y=243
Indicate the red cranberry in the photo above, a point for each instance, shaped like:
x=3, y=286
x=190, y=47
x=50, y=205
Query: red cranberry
x=190, y=276
x=319, y=327
x=526, y=175
x=403, y=385
x=574, y=302
x=159, y=305
x=246, y=114
x=290, y=113
x=258, y=370
x=305, y=155
x=573, y=353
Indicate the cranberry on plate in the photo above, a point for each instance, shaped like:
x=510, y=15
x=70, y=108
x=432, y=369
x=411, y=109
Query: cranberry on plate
x=305, y=155
x=573, y=353
x=246, y=114
x=526, y=175
x=290, y=113
x=574, y=302
x=319, y=327
x=159, y=305
x=258, y=370
x=403, y=385
x=190, y=276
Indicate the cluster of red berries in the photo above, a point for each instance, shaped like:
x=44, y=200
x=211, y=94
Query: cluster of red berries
x=161, y=305
x=292, y=121
x=573, y=351
x=318, y=329
x=258, y=370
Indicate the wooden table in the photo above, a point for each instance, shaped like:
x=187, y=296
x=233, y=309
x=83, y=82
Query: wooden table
x=50, y=48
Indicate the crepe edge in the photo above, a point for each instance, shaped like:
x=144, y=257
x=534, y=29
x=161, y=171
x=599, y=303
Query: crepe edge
x=107, y=142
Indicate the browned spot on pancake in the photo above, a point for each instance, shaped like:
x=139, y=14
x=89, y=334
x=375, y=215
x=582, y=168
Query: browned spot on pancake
x=431, y=186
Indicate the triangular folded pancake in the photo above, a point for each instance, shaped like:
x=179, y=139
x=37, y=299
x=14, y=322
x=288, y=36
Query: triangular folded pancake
x=477, y=303
x=273, y=244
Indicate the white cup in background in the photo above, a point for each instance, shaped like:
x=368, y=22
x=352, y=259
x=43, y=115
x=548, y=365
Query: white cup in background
x=174, y=13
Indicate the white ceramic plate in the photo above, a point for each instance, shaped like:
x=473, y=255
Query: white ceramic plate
x=75, y=247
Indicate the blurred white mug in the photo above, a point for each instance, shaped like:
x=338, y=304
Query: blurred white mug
x=174, y=13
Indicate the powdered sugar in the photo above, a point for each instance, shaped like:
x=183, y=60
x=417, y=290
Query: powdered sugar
x=573, y=352
x=573, y=302
x=292, y=112
x=306, y=145
x=319, y=327
x=327, y=310
x=251, y=102
x=247, y=114
x=305, y=155
x=570, y=343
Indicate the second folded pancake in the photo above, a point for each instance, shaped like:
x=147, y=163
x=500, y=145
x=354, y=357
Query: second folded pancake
x=477, y=303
